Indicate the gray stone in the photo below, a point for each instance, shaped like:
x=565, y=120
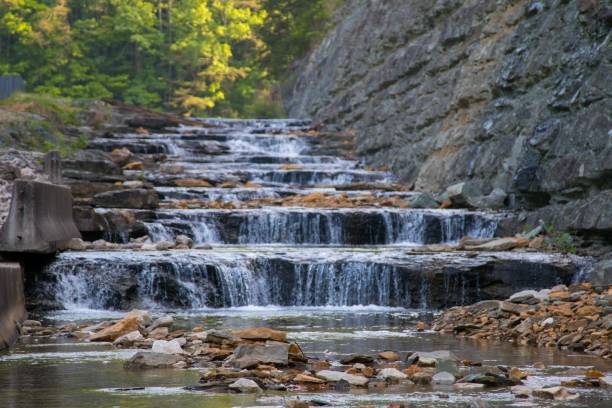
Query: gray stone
x=162, y=321
x=250, y=355
x=147, y=359
x=424, y=200
x=601, y=274
x=443, y=378
x=329, y=375
x=245, y=385
x=138, y=198
x=464, y=194
x=391, y=373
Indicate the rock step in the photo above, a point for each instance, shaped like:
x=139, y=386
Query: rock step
x=293, y=276
x=312, y=225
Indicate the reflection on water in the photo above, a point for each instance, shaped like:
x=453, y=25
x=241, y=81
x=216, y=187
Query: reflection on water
x=88, y=375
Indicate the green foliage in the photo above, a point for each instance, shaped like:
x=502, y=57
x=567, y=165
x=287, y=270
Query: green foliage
x=195, y=56
x=560, y=240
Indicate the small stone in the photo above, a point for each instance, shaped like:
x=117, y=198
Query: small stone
x=516, y=374
x=307, y=379
x=357, y=358
x=392, y=373
x=389, y=356
x=245, y=385
x=421, y=326
x=136, y=165
x=329, y=375
x=521, y=391
x=167, y=347
x=443, y=378
x=128, y=339
x=555, y=393
x=468, y=386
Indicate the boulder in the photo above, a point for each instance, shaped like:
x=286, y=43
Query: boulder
x=357, y=358
x=443, y=378
x=245, y=385
x=128, y=339
x=126, y=325
x=391, y=373
x=147, y=359
x=167, y=347
x=500, y=244
x=463, y=194
x=162, y=321
x=261, y=334
x=424, y=200
x=389, y=356
x=138, y=198
x=250, y=355
x=334, y=376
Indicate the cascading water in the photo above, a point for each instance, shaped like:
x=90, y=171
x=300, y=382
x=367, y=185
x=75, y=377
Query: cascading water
x=288, y=256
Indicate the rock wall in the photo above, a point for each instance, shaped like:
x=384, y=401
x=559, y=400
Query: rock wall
x=511, y=94
x=12, y=303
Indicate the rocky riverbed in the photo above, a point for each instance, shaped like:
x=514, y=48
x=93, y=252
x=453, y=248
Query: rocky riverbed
x=267, y=362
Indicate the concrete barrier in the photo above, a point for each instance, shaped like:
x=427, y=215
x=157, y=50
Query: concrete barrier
x=12, y=302
x=40, y=217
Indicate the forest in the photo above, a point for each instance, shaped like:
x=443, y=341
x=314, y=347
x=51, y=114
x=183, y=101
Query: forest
x=198, y=57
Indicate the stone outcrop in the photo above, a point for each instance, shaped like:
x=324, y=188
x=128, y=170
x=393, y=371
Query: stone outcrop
x=512, y=95
x=12, y=302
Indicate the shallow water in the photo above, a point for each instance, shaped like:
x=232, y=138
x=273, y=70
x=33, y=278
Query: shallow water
x=66, y=374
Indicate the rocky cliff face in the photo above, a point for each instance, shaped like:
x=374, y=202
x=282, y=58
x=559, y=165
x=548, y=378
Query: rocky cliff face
x=511, y=94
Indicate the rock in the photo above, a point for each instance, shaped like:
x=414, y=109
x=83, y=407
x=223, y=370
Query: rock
x=468, y=387
x=600, y=276
x=424, y=200
x=501, y=244
x=121, y=157
x=443, y=378
x=303, y=378
x=422, y=378
x=249, y=355
x=357, y=358
x=167, y=347
x=489, y=379
x=463, y=194
x=245, y=385
x=495, y=200
x=192, y=183
x=521, y=391
x=131, y=322
x=513, y=308
x=433, y=355
x=147, y=359
x=31, y=323
x=138, y=198
x=128, y=339
x=449, y=366
x=297, y=404
x=136, y=165
x=421, y=326
x=516, y=374
x=261, y=334
x=133, y=184
x=163, y=245
x=389, y=355
x=159, y=333
x=183, y=242
x=392, y=373
x=528, y=297
x=555, y=393
x=329, y=375
x=162, y=321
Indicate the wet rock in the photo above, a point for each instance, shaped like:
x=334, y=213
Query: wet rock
x=138, y=198
x=463, y=195
x=128, y=339
x=389, y=355
x=424, y=200
x=422, y=378
x=555, y=393
x=131, y=322
x=303, y=378
x=167, y=347
x=521, y=391
x=469, y=387
x=183, y=242
x=261, y=334
x=147, y=359
x=333, y=376
x=357, y=358
x=443, y=378
x=245, y=385
x=248, y=355
x=391, y=373
x=162, y=321
x=489, y=379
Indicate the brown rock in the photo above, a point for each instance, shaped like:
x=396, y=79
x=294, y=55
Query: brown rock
x=192, y=183
x=421, y=326
x=261, y=334
x=137, y=165
x=389, y=355
x=308, y=379
x=124, y=326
